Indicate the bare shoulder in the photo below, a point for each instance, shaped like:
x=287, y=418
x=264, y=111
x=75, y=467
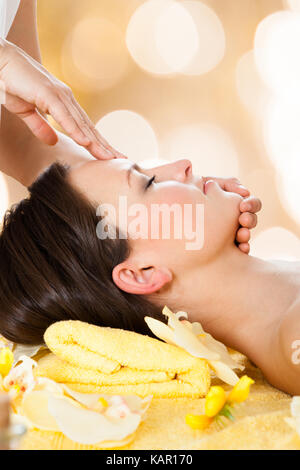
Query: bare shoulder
x=289, y=346
x=290, y=325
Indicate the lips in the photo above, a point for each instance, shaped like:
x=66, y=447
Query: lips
x=206, y=185
x=202, y=185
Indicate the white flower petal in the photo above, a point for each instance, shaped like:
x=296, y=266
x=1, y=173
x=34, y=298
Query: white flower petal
x=89, y=427
x=295, y=407
x=48, y=385
x=221, y=349
x=197, y=328
x=22, y=374
x=161, y=330
x=87, y=399
x=181, y=314
x=135, y=403
x=20, y=350
x=185, y=338
x=224, y=372
x=298, y=425
x=35, y=409
x=193, y=339
x=291, y=422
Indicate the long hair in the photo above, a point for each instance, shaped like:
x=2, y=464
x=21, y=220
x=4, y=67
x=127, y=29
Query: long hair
x=54, y=267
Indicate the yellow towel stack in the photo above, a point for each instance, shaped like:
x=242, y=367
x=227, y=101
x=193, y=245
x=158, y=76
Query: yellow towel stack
x=92, y=359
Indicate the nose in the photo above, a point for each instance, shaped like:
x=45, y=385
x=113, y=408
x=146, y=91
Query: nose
x=181, y=171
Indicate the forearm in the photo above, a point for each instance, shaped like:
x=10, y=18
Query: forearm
x=30, y=91
x=15, y=138
x=23, y=32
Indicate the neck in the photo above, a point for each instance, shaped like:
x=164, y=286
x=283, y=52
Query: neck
x=237, y=298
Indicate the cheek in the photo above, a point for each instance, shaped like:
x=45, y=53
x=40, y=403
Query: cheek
x=180, y=194
x=221, y=219
x=181, y=201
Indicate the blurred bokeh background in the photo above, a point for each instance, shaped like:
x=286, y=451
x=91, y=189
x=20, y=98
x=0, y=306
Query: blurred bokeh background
x=215, y=81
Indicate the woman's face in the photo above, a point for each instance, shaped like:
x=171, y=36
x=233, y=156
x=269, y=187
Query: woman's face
x=202, y=210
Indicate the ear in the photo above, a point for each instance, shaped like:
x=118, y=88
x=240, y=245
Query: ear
x=135, y=280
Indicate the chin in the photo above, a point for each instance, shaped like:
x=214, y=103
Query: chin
x=230, y=219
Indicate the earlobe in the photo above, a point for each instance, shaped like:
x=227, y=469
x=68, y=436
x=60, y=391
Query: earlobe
x=140, y=281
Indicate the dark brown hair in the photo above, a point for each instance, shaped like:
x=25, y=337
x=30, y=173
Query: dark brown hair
x=54, y=267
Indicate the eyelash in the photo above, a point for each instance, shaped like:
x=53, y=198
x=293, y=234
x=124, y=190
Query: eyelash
x=151, y=180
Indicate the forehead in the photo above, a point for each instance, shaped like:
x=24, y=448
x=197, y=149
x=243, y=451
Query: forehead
x=97, y=178
x=111, y=167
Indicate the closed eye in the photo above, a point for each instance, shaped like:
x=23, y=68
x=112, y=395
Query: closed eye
x=151, y=180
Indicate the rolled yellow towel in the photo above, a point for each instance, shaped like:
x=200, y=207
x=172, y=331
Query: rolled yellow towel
x=94, y=359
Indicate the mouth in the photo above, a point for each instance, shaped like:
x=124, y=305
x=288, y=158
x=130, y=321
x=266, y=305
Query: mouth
x=201, y=184
x=206, y=184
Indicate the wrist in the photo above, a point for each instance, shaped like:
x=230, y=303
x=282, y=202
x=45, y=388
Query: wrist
x=2, y=45
x=3, y=50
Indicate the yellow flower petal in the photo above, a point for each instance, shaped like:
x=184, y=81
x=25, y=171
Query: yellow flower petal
x=6, y=361
x=241, y=390
x=215, y=400
x=198, y=421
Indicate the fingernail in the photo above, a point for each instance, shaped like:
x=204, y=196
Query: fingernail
x=120, y=155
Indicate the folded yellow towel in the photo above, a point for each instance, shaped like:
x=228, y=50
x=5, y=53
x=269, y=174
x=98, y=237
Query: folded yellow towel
x=260, y=423
x=93, y=359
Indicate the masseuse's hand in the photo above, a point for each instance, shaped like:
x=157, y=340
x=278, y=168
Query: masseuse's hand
x=248, y=207
x=32, y=90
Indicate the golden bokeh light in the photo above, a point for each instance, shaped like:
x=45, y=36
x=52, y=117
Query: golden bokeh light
x=94, y=55
x=129, y=133
x=252, y=91
x=169, y=37
x=289, y=189
x=282, y=134
x=276, y=50
x=161, y=37
x=282, y=141
x=211, y=38
x=176, y=37
x=276, y=243
x=210, y=149
x=292, y=4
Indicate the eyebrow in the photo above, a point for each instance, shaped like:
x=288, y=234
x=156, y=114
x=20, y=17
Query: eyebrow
x=134, y=166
